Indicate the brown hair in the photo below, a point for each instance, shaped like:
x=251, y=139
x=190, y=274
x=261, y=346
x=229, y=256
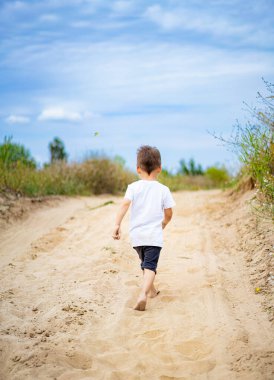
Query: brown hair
x=148, y=158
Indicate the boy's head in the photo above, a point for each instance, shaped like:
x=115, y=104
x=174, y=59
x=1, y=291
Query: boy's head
x=148, y=158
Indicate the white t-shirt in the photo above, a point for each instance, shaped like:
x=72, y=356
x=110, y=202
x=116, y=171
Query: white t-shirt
x=149, y=199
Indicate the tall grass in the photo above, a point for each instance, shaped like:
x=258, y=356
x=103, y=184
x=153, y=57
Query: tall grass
x=256, y=149
x=254, y=145
x=101, y=175
x=95, y=176
x=213, y=177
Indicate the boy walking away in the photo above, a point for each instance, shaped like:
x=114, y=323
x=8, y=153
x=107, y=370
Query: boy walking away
x=151, y=210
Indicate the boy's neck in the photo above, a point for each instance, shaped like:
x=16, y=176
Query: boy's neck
x=149, y=177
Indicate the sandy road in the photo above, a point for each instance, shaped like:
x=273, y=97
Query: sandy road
x=67, y=292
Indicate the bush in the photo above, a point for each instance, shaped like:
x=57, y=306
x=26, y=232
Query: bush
x=217, y=175
x=184, y=182
x=254, y=145
x=192, y=177
x=95, y=176
x=103, y=176
x=12, y=154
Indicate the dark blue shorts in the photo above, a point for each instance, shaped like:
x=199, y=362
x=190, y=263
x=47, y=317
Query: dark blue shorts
x=149, y=256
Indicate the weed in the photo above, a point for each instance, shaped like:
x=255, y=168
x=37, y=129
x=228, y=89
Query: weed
x=254, y=145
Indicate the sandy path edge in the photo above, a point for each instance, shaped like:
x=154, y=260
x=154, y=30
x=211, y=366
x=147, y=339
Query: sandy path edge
x=18, y=235
x=67, y=293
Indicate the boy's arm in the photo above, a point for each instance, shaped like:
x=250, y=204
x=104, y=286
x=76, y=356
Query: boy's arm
x=119, y=217
x=167, y=217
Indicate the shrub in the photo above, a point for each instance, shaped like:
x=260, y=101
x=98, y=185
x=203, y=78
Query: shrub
x=103, y=176
x=185, y=182
x=254, y=145
x=217, y=175
x=95, y=176
x=192, y=177
x=12, y=154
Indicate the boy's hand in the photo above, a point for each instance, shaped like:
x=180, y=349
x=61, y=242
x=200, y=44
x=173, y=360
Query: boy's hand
x=116, y=233
x=120, y=215
x=163, y=224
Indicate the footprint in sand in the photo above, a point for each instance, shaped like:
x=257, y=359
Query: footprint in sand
x=61, y=229
x=193, y=349
x=49, y=241
x=168, y=299
x=78, y=360
x=190, y=369
x=153, y=334
x=194, y=270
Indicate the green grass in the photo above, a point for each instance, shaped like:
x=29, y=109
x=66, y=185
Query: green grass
x=95, y=176
x=102, y=205
x=213, y=178
x=253, y=143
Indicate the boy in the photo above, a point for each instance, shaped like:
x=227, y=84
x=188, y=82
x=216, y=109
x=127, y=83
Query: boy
x=151, y=210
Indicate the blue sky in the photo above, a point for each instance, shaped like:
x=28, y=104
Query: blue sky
x=162, y=73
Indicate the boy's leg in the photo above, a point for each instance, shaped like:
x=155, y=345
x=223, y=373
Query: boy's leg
x=149, y=265
x=148, y=279
x=153, y=291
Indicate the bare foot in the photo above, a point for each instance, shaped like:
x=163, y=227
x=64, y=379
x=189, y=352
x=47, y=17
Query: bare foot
x=141, y=304
x=154, y=293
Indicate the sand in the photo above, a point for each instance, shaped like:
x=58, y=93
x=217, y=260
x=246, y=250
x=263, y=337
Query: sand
x=68, y=292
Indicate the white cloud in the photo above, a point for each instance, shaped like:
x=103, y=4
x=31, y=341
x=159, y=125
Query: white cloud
x=81, y=24
x=59, y=114
x=165, y=19
x=202, y=22
x=15, y=6
x=122, y=6
x=49, y=17
x=17, y=119
x=119, y=77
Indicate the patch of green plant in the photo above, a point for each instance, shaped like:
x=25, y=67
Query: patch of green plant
x=254, y=145
x=102, y=205
x=190, y=168
x=219, y=176
x=13, y=154
x=95, y=176
x=57, y=150
x=192, y=176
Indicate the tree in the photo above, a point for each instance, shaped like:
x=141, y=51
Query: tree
x=183, y=168
x=57, y=151
x=12, y=154
x=190, y=168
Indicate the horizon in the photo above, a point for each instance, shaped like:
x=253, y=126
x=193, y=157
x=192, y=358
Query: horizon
x=113, y=75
